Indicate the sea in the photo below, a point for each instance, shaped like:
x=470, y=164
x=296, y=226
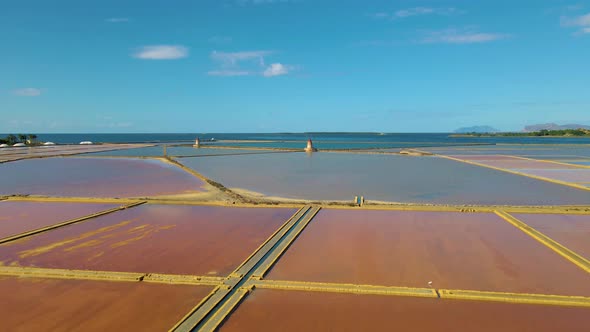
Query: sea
x=337, y=140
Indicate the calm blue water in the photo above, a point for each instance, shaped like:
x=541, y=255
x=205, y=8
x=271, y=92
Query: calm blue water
x=322, y=140
x=177, y=151
x=393, y=178
x=531, y=151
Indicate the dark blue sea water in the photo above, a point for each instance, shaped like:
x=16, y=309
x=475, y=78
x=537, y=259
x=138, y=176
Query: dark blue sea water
x=326, y=140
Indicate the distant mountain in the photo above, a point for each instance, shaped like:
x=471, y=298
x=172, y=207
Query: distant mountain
x=553, y=126
x=476, y=129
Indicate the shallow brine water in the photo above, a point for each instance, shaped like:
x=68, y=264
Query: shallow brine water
x=341, y=176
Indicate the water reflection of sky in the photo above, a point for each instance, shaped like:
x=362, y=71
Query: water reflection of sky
x=341, y=176
x=175, y=151
x=536, y=151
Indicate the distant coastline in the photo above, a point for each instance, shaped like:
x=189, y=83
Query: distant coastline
x=324, y=141
x=563, y=133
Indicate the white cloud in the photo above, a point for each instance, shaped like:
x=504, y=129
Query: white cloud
x=27, y=92
x=582, y=22
x=117, y=20
x=381, y=15
x=417, y=11
x=414, y=11
x=454, y=36
x=276, y=69
x=119, y=124
x=232, y=58
x=247, y=63
x=229, y=73
x=161, y=52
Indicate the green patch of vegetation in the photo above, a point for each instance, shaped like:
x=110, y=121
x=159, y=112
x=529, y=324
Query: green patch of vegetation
x=30, y=139
x=540, y=133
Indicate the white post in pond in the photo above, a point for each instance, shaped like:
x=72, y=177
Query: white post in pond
x=310, y=147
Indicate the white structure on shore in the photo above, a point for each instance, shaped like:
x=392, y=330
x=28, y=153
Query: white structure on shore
x=309, y=147
x=197, y=143
x=86, y=143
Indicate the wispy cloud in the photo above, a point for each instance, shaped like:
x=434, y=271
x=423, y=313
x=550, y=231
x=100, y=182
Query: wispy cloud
x=161, y=52
x=117, y=20
x=276, y=69
x=233, y=58
x=229, y=73
x=27, y=92
x=115, y=125
x=417, y=11
x=381, y=15
x=455, y=36
x=414, y=12
x=581, y=22
x=575, y=7
x=247, y=63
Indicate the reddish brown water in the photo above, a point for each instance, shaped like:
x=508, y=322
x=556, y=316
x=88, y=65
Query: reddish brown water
x=453, y=250
x=73, y=305
x=200, y=240
x=9, y=154
x=572, y=231
x=273, y=310
x=102, y=177
x=19, y=217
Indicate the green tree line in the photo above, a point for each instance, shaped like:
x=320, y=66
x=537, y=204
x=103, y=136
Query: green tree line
x=29, y=139
x=540, y=133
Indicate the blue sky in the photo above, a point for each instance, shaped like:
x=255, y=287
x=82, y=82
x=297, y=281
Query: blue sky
x=292, y=65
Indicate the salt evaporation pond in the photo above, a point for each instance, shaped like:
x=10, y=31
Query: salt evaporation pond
x=341, y=176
